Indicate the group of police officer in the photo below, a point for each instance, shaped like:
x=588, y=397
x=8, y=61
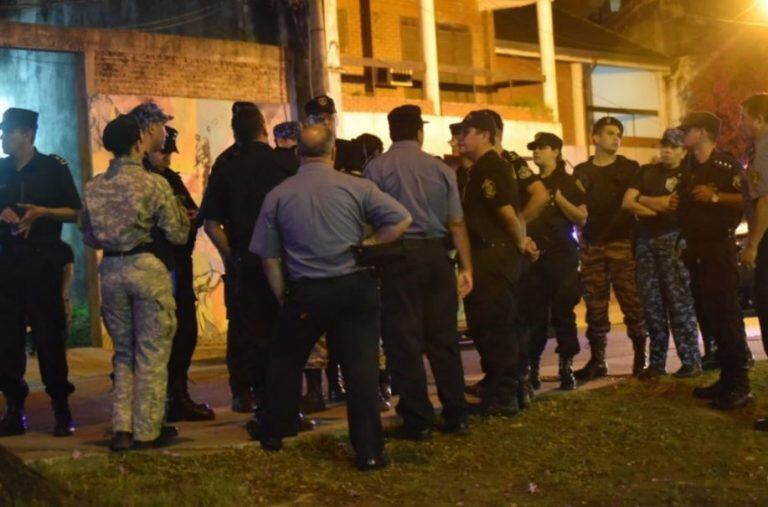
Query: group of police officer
x=325, y=238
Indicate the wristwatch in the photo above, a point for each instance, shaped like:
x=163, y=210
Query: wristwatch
x=715, y=198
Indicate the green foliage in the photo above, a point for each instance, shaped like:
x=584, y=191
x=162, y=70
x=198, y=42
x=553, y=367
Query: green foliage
x=631, y=443
x=80, y=333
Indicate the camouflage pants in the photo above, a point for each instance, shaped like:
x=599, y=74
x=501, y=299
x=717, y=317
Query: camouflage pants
x=139, y=312
x=665, y=290
x=318, y=358
x=602, y=266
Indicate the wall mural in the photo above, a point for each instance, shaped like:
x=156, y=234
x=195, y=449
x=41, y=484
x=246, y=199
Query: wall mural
x=204, y=132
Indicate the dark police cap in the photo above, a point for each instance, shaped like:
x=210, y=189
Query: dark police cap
x=171, y=134
x=322, y=104
x=496, y=118
x=148, y=113
x=240, y=105
x=15, y=117
x=702, y=119
x=673, y=137
x=607, y=121
x=287, y=130
x=121, y=133
x=542, y=139
x=455, y=128
x=480, y=120
x=405, y=116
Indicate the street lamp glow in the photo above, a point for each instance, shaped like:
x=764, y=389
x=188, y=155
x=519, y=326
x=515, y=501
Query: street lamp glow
x=763, y=4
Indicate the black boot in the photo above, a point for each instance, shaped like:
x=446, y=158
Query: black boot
x=385, y=386
x=166, y=437
x=14, y=422
x=524, y=390
x=183, y=408
x=336, y=393
x=596, y=366
x=640, y=361
x=534, y=376
x=243, y=402
x=305, y=423
x=313, y=401
x=736, y=394
x=65, y=426
x=709, y=360
x=567, y=380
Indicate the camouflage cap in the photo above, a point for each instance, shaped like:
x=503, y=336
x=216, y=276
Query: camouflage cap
x=148, y=113
x=287, y=130
x=673, y=137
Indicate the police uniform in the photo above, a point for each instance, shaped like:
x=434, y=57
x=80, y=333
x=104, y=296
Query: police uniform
x=350, y=156
x=491, y=308
x=757, y=177
x=551, y=286
x=180, y=406
x=607, y=260
x=31, y=274
x=232, y=150
x=233, y=198
x=663, y=281
x=711, y=258
x=419, y=305
x=122, y=206
x=312, y=221
x=287, y=157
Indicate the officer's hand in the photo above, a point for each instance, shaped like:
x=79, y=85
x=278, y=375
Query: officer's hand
x=531, y=250
x=702, y=193
x=749, y=256
x=31, y=214
x=673, y=201
x=464, y=283
x=9, y=216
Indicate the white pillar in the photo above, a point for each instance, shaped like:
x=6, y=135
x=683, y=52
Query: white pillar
x=333, y=60
x=661, y=85
x=429, y=48
x=579, y=109
x=673, y=101
x=547, y=49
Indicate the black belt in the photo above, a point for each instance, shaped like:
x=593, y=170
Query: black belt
x=143, y=248
x=424, y=243
x=492, y=243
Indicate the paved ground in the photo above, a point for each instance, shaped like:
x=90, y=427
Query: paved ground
x=91, y=402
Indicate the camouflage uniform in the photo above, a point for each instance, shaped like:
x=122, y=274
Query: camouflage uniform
x=665, y=289
x=122, y=206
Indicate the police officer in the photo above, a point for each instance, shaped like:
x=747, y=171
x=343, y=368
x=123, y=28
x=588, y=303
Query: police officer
x=286, y=136
x=709, y=211
x=419, y=305
x=349, y=156
x=230, y=207
x=310, y=223
x=233, y=149
x=754, y=124
x=37, y=194
x=662, y=279
x=122, y=206
x=607, y=258
x=551, y=284
x=181, y=407
x=491, y=203
x=456, y=160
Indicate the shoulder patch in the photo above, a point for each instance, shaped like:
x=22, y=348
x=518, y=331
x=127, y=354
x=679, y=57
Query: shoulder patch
x=489, y=189
x=524, y=172
x=737, y=181
x=58, y=159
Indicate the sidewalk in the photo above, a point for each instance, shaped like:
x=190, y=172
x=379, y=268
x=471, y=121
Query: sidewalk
x=91, y=403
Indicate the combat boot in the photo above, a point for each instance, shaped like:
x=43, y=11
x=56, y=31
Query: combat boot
x=761, y=424
x=567, y=379
x=596, y=367
x=336, y=392
x=709, y=360
x=652, y=372
x=167, y=434
x=313, y=401
x=14, y=422
x=534, y=376
x=64, y=426
x=305, y=423
x=640, y=360
x=243, y=403
x=385, y=386
x=524, y=391
x=736, y=395
x=710, y=392
x=183, y=408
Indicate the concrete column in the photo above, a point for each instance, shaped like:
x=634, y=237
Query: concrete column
x=664, y=118
x=333, y=60
x=429, y=47
x=579, y=109
x=547, y=50
x=673, y=101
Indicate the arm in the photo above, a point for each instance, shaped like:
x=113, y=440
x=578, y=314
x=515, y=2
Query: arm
x=33, y=212
x=460, y=236
x=538, y=197
x=170, y=214
x=389, y=233
x=576, y=214
x=704, y=193
x=215, y=232
x=633, y=205
x=273, y=270
x=513, y=225
x=757, y=227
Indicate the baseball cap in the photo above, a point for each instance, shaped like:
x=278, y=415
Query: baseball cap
x=546, y=139
x=321, y=104
x=405, y=116
x=16, y=117
x=673, y=137
x=148, y=113
x=479, y=120
x=287, y=130
x=702, y=119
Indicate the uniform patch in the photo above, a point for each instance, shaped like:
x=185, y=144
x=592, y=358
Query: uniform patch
x=525, y=172
x=737, y=181
x=580, y=186
x=671, y=184
x=489, y=189
x=754, y=177
x=59, y=159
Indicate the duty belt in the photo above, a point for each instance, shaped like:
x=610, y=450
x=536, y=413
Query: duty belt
x=143, y=248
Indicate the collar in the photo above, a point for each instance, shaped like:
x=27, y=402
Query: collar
x=408, y=144
x=118, y=163
x=315, y=166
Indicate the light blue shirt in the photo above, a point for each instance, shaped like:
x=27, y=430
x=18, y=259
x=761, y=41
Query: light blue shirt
x=420, y=182
x=312, y=221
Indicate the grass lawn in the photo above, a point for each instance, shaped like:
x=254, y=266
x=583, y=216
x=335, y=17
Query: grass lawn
x=628, y=444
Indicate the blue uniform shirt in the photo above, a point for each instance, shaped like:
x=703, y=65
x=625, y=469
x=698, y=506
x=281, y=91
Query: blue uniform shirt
x=420, y=182
x=313, y=219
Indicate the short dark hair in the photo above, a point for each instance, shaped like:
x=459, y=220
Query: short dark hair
x=248, y=124
x=370, y=143
x=316, y=141
x=404, y=132
x=756, y=105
